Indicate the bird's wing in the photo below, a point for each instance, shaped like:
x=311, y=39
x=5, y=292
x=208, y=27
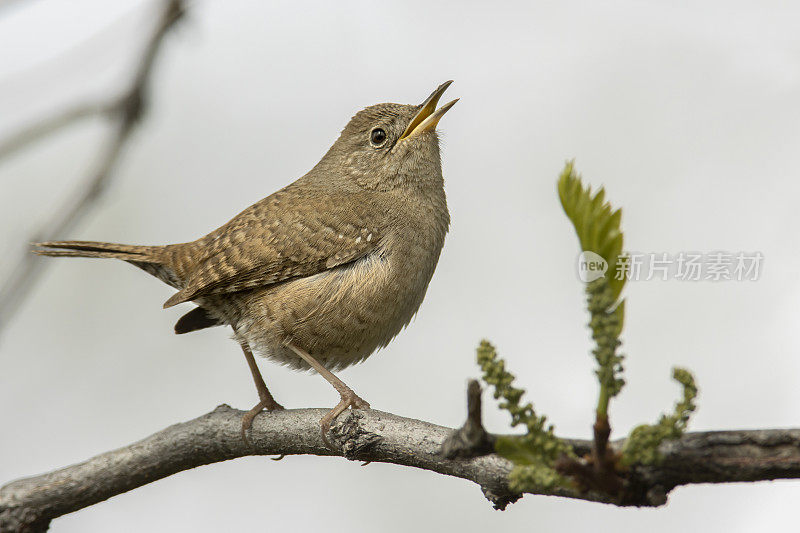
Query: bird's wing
x=287, y=235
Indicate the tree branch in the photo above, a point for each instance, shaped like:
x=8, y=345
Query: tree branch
x=709, y=457
x=125, y=112
x=471, y=439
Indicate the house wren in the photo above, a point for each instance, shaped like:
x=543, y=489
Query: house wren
x=328, y=269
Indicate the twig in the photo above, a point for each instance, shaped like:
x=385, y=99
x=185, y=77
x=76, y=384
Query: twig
x=36, y=131
x=125, y=112
x=597, y=470
x=713, y=457
x=471, y=440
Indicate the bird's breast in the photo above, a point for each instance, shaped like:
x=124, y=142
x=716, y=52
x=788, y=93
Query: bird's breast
x=344, y=314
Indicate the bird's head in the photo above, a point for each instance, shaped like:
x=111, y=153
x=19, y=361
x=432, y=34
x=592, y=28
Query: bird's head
x=392, y=145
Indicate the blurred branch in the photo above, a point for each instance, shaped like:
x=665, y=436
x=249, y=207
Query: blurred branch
x=125, y=112
x=8, y=3
x=709, y=457
x=36, y=131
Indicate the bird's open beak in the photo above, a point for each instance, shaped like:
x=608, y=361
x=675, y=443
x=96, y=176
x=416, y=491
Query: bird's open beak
x=428, y=116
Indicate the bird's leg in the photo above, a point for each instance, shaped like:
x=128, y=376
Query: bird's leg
x=267, y=401
x=349, y=398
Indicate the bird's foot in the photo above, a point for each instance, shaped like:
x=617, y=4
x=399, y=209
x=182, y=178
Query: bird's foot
x=268, y=404
x=349, y=399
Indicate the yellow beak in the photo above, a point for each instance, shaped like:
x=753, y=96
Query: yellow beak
x=428, y=116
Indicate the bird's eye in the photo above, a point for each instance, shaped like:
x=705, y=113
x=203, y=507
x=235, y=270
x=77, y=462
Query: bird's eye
x=377, y=137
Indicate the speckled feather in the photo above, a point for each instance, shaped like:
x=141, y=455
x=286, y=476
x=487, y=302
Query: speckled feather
x=292, y=233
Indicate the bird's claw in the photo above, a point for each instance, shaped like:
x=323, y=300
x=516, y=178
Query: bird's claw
x=247, y=420
x=349, y=399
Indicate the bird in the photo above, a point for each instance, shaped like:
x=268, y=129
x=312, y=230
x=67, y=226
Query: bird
x=327, y=270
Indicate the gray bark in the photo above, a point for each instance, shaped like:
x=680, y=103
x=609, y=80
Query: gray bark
x=710, y=457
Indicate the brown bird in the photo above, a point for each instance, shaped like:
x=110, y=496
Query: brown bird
x=327, y=270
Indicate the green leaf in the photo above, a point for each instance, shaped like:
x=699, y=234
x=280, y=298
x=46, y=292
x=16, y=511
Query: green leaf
x=515, y=450
x=596, y=223
x=619, y=312
x=598, y=226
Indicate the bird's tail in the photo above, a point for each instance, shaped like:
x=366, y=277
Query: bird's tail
x=107, y=250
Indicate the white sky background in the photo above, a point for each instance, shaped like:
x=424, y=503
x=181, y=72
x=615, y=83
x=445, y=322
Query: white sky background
x=688, y=113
